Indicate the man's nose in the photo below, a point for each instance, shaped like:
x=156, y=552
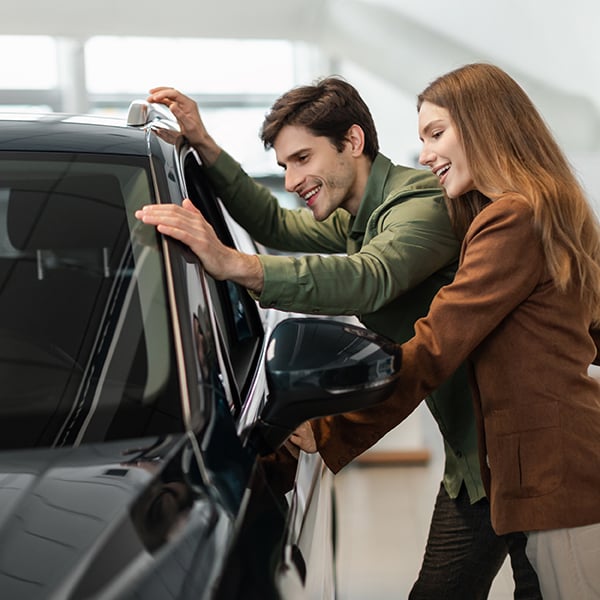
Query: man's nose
x=292, y=180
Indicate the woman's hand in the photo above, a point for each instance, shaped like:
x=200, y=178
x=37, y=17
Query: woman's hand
x=302, y=439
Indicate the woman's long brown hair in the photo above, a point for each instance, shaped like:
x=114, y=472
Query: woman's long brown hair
x=511, y=150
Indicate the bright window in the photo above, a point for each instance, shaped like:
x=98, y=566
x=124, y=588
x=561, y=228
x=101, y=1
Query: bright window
x=206, y=66
x=28, y=62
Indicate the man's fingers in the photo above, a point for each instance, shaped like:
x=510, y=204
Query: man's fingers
x=162, y=93
x=168, y=135
x=153, y=212
x=187, y=204
x=160, y=88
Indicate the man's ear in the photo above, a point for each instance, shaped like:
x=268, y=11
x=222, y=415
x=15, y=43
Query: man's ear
x=356, y=139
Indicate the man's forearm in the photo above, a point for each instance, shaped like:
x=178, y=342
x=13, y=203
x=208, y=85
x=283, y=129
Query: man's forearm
x=207, y=149
x=246, y=270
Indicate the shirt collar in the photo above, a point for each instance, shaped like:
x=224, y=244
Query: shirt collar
x=373, y=195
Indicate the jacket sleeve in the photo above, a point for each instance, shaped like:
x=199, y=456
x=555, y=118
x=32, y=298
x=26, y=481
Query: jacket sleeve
x=491, y=282
x=414, y=241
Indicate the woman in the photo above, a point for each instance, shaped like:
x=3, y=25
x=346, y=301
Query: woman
x=520, y=309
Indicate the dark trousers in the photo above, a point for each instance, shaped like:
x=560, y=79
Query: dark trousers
x=463, y=554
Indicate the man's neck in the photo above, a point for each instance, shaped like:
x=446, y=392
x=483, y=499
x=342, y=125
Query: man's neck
x=363, y=171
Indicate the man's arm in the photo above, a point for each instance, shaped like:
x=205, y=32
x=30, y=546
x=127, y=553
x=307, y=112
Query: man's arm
x=415, y=242
x=187, y=114
x=250, y=204
x=259, y=212
x=186, y=224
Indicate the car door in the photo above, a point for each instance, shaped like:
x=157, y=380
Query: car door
x=305, y=561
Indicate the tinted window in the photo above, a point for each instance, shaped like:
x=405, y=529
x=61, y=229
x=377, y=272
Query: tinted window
x=238, y=320
x=85, y=351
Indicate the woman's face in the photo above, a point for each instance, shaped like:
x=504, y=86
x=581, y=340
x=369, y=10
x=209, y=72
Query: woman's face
x=442, y=151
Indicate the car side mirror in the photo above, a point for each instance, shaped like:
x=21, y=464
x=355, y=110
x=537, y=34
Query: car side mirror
x=317, y=367
x=144, y=114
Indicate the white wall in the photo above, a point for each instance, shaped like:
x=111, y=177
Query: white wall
x=587, y=167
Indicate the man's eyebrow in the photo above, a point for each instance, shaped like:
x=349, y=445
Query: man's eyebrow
x=292, y=156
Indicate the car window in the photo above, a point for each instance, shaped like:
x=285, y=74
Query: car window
x=84, y=326
x=238, y=319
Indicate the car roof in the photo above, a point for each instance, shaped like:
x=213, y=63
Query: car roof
x=59, y=132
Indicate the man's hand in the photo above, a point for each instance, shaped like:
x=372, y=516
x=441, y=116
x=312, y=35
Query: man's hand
x=186, y=224
x=187, y=114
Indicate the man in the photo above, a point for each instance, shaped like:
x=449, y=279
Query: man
x=381, y=246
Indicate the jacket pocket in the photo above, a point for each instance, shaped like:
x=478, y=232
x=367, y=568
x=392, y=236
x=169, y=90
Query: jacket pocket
x=525, y=450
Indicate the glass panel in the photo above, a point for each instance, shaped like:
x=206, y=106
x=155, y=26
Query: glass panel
x=236, y=312
x=85, y=351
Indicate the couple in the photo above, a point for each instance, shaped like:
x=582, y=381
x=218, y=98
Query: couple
x=516, y=319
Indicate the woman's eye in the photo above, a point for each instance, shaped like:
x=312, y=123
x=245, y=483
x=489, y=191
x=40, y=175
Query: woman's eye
x=436, y=134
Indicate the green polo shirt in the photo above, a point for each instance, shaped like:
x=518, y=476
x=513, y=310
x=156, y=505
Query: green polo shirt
x=384, y=266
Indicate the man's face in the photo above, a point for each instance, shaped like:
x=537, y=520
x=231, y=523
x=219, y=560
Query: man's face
x=314, y=169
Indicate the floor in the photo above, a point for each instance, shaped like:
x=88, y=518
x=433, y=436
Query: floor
x=384, y=514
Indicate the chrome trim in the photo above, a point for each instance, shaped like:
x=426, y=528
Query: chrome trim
x=148, y=114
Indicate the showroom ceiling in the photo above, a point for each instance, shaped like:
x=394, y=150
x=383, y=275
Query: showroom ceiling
x=551, y=48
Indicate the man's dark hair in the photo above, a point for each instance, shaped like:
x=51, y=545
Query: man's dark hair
x=327, y=108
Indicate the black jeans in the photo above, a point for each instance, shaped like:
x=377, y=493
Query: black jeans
x=463, y=554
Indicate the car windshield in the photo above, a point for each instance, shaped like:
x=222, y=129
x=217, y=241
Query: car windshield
x=85, y=336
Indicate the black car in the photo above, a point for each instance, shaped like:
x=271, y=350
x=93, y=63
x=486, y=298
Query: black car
x=142, y=402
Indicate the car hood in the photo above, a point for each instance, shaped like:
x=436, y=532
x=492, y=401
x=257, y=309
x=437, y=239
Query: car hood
x=73, y=519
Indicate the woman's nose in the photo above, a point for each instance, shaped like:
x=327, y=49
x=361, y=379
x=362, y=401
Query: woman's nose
x=426, y=157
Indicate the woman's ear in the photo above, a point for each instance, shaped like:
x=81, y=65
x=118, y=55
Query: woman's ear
x=356, y=139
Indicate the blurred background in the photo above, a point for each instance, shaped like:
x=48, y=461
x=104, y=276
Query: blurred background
x=235, y=57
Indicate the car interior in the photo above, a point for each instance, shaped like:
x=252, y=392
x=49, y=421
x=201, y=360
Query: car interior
x=66, y=272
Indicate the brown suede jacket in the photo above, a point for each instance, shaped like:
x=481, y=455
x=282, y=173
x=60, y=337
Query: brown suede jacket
x=529, y=348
